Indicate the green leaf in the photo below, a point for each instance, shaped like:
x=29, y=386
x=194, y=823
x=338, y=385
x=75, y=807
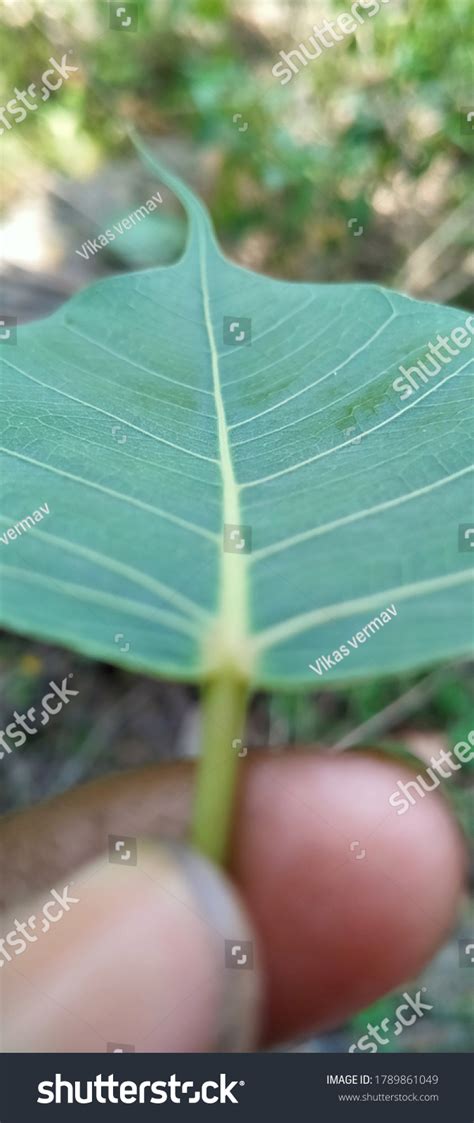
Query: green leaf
x=145, y=432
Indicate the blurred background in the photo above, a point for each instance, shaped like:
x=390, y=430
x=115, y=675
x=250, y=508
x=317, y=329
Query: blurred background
x=356, y=169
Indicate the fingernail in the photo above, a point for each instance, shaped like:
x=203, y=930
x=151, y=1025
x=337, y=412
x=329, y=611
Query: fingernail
x=236, y=951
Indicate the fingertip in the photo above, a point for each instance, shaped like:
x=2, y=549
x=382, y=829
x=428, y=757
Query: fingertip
x=349, y=898
x=151, y=958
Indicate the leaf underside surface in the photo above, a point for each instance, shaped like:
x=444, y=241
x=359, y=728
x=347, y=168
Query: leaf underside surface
x=145, y=433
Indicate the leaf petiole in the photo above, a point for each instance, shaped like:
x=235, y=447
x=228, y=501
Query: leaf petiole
x=223, y=715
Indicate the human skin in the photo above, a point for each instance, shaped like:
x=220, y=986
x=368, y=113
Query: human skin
x=334, y=930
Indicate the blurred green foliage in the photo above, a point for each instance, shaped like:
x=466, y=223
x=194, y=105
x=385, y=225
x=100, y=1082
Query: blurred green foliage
x=372, y=130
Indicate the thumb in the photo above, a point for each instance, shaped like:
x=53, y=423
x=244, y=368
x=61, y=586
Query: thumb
x=157, y=956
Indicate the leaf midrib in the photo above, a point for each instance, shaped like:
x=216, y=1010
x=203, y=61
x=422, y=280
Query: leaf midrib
x=227, y=645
